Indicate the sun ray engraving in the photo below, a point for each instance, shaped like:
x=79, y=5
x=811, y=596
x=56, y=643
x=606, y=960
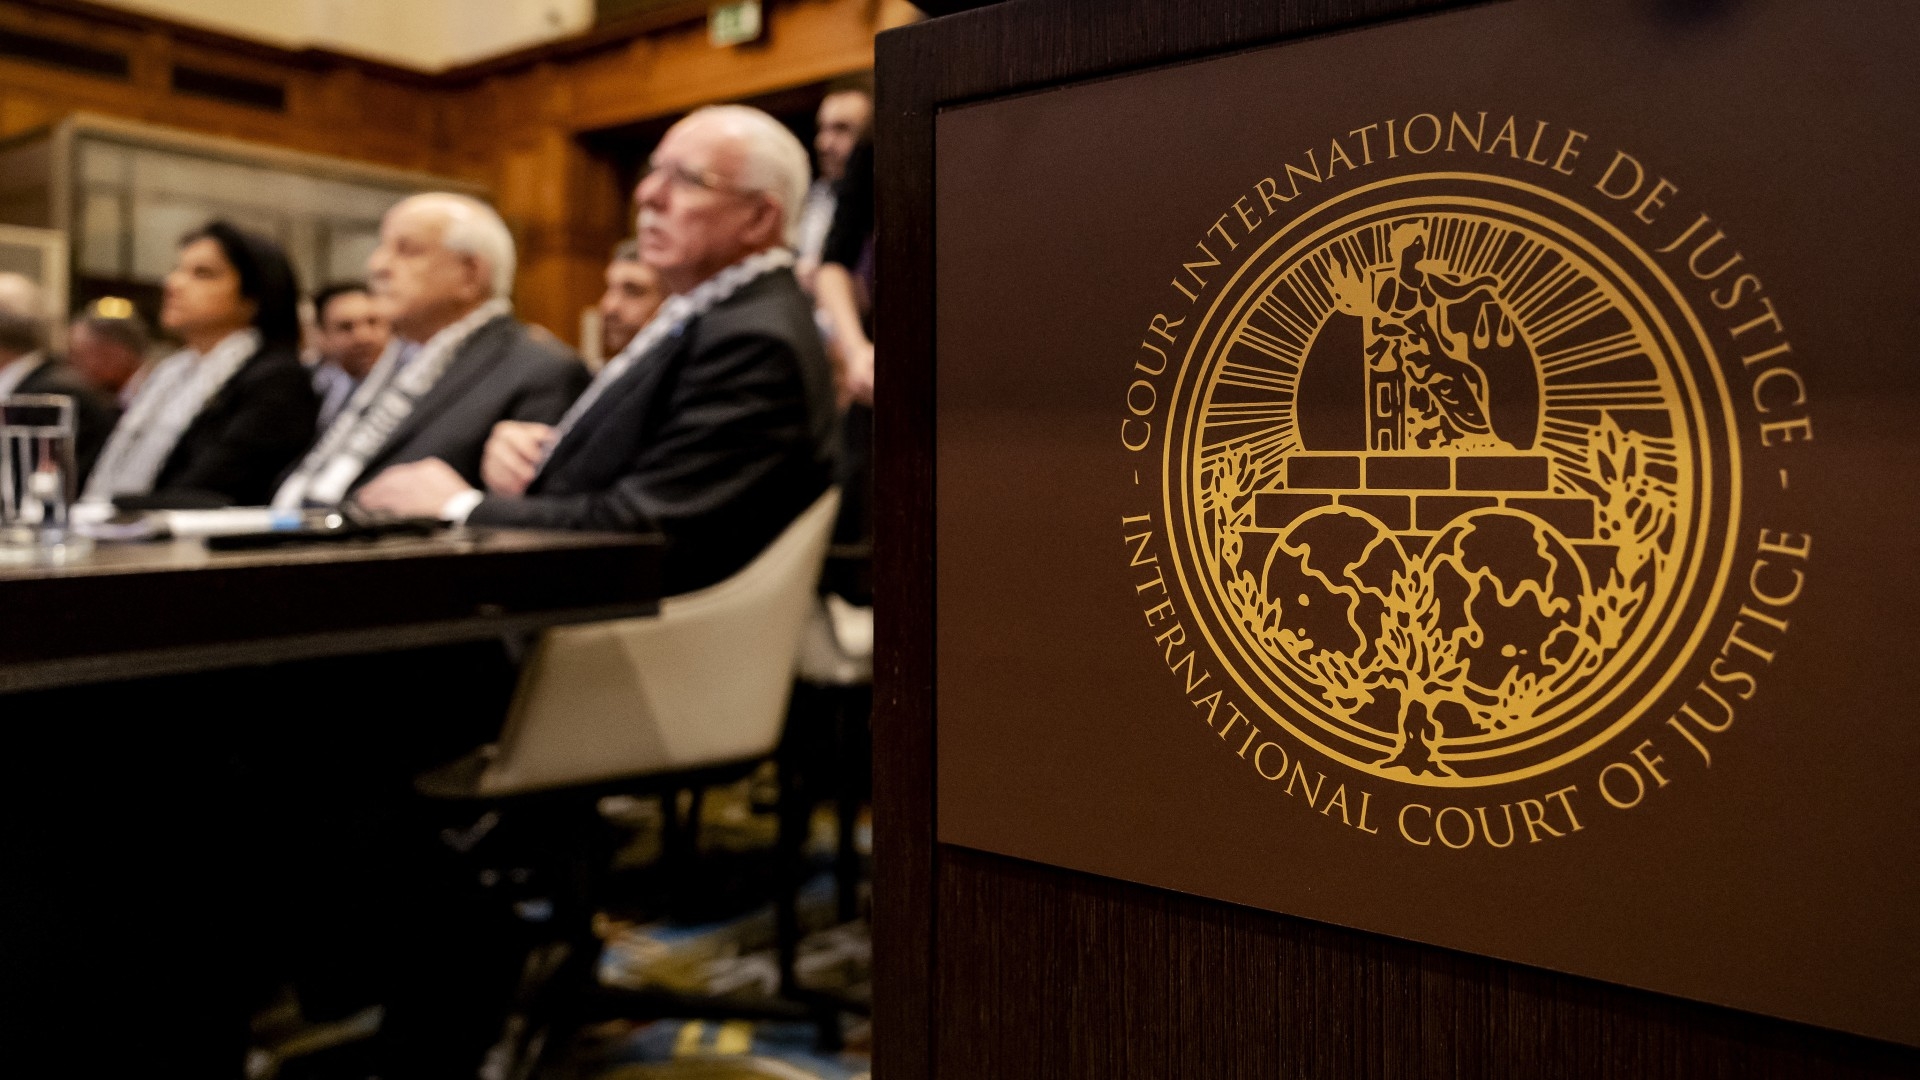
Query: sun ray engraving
x=1436, y=485
x=1586, y=354
x=1256, y=378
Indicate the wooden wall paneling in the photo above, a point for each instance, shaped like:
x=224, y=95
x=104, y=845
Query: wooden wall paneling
x=806, y=41
x=564, y=203
x=332, y=108
x=567, y=211
x=986, y=966
x=511, y=125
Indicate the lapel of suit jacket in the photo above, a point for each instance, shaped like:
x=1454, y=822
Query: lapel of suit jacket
x=642, y=380
x=38, y=379
x=215, y=413
x=477, y=355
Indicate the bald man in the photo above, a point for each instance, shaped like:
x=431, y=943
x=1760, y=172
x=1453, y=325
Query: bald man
x=714, y=425
x=458, y=362
x=25, y=368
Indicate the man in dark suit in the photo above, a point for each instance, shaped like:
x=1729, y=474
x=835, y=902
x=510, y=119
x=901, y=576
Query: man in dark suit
x=715, y=424
x=459, y=362
x=110, y=351
x=25, y=368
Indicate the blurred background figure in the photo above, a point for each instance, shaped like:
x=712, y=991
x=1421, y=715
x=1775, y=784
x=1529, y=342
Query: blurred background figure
x=844, y=120
x=843, y=283
x=110, y=351
x=458, y=363
x=634, y=293
x=843, y=295
x=216, y=422
x=714, y=425
x=26, y=368
x=350, y=333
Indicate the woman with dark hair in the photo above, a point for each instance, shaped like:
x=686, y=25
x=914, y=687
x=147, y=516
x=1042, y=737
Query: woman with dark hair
x=217, y=422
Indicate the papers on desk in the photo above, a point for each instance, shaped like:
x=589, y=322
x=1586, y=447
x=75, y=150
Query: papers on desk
x=235, y=521
x=102, y=522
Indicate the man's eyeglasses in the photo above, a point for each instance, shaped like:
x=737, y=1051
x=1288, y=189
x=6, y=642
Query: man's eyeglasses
x=690, y=178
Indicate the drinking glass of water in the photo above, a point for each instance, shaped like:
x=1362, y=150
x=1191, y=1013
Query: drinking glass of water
x=38, y=481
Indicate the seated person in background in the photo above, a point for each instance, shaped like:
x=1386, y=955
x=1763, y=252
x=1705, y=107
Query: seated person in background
x=715, y=424
x=110, y=352
x=634, y=293
x=351, y=332
x=216, y=422
x=25, y=368
x=459, y=361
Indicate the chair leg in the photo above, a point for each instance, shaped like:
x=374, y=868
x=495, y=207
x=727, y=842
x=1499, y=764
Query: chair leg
x=789, y=850
x=679, y=847
x=790, y=866
x=846, y=811
x=669, y=827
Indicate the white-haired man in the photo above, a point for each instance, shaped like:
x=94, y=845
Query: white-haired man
x=459, y=362
x=715, y=424
x=25, y=368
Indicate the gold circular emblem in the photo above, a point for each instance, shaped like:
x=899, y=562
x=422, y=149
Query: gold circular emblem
x=1450, y=479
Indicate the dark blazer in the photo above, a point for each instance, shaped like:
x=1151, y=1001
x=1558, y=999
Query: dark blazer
x=717, y=438
x=502, y=372
x=244, y=437
x=94, y=410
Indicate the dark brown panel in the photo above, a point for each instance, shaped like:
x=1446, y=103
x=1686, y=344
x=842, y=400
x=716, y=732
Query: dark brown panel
x=1019, y=970
x=1050, y=975
x=1517, y=472
x=1278, y=509
x=233, y=89
x=1327, y=471
x=1408, y=472
x=1004, y=48
x=1059, y=728
x=67, y=55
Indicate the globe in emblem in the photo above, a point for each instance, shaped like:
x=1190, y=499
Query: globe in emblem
x=1509, y=590
x=1443, y=475
x=1330, y=578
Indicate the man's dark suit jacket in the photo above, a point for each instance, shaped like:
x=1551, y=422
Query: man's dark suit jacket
x=94, y=410
x=244, y=437
x=502, y=372
x=717, y=438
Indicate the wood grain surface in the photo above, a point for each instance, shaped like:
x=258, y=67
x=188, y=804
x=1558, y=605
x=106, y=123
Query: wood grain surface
x=138, y=610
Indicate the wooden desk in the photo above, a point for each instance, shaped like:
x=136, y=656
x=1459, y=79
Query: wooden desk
x=138, y=610
x=125, y=803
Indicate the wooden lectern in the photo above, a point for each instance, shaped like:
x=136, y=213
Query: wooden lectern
x=1390, y=517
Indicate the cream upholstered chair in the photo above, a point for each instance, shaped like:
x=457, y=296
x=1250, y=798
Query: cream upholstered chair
x=695, y=695
x=704, y=683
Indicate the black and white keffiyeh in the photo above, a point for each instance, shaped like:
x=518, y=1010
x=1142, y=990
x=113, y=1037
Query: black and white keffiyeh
x=169, y=400
x=399, y=379
x=669, y=321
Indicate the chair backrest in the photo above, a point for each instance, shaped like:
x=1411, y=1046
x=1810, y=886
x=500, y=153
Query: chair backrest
x=705, y=682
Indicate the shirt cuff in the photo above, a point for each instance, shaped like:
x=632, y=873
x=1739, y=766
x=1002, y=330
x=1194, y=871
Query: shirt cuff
x=461, y=505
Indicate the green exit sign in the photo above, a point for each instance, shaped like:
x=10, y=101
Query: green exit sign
x=733, y=24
